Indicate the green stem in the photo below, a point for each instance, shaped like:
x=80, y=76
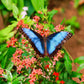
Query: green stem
x=69, y=55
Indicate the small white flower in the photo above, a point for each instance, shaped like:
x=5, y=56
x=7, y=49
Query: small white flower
x=23, y=14
x=25, y=8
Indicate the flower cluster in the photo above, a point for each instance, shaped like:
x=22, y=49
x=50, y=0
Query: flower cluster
x=11, y=42
x=41, y=30
x=56, y=74
x=21, y=24
x=33, y=75
x=24, y=56
x=59, y=28
x=56, y=58
x=21, y=63
x=47, y=66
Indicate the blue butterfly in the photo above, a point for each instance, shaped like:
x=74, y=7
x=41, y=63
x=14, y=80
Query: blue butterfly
x=46, y=45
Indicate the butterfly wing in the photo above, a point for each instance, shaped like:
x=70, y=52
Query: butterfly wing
x=35, y=39
x=55, y=41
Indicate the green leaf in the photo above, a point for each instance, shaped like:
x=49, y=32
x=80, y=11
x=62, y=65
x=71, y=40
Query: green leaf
x=76, y=74
x=7, y=57
x=69, y=81
x=15, y=74
x=15, y=1
x=51, y=27
x=29, y=70
x=38, y=5
x=28, y=21
x=15, y=11
x=20, y=4
x=4, y=12
x=67, y=62
x=3, y=38
x=68, y=28
x=45, y=59
x=65, y=75
x=1, y=6
x=76, y=3
x=17, y=80
x=79, y=60
x=10, y=66
x=73, y=22
x=3, y=63
x=59, y=66
x=25, y=53
x=51, y=14
x=62, y=21
x=3, y=55
x=6, y=32
x=7, y=4
x=8, y=75
x=2, y=81
x=80, y=67
x=30, y=7
x=2, y=47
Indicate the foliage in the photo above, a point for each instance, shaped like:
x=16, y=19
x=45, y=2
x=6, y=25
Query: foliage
x=76, y=3
x=18, y=61
x=79, y=4
x=15, y=7
x=72, y=21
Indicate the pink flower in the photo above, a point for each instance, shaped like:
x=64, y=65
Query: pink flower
x=36, y=18
x=59, y=54
x=20, y=51
x=40, y=12
x=39, y=72
x=56, y=58
x=11, y=42
x=59, y=28
x=1, y=71
x=82, y=78
x=20, y=67
x=32, y=76
x=23, y=41
x=21, y=24
x=54, y=63
x=33, y=60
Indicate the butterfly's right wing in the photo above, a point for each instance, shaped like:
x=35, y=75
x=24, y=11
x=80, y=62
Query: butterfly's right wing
x=55, y=41
x=35, y=39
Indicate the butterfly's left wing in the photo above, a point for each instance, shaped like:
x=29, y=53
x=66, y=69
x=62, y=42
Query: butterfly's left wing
x=35, y=39
x=55, y=41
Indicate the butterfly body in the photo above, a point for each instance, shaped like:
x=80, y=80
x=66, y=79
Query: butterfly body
x=46, y=45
